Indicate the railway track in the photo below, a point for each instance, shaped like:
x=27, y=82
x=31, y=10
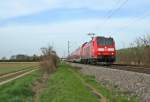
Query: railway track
x=133, y=68
x=135, y=79
x=5, y=78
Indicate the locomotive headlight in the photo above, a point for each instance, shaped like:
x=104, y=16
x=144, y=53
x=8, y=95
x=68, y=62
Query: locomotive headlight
x=111, y=49
x=100, y=49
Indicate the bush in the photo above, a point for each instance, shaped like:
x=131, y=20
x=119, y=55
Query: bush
x=137, y=54
x=49, y=60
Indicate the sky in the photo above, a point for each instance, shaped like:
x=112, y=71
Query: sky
x=28, y=25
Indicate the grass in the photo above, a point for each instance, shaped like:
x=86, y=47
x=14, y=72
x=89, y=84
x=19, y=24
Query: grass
x=112, y=95
x=19, y=90
x=64, y=86
x=6, y=67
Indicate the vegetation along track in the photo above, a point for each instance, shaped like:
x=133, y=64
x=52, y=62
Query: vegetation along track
x=5, y=78
x=93, y=89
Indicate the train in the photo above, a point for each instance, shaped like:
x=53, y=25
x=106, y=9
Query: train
x=99, y=50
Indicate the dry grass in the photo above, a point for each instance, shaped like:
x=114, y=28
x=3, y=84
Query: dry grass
x=49, y=60
x=6, y=67
x=137, y=54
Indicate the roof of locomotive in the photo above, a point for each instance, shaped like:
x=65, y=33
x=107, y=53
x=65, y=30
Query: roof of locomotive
x=103, y=37
x=96, y=38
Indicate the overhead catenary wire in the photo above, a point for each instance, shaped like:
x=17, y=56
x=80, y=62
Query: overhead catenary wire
x=138, y=19
x=119, y=4
x=135, y=20
x=112, y=12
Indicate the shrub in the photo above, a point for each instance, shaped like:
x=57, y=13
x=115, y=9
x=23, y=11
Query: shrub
x=138, y=53
x=49, y=60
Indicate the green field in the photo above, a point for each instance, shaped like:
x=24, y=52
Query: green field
x=6, y=67
x=65, y=85
x=19, y=90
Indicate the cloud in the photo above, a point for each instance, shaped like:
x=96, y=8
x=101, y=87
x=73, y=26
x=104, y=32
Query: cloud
x=28, y=29
x=29, y=38
x=93, y=24
x=76, y=27
x=15, y=8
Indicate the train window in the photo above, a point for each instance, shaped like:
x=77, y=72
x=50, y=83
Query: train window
x=105, y=41
x=101, y=41
x=109, y=41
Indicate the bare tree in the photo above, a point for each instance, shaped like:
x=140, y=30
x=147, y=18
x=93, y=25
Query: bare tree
x=138, y=52
x=49, y=60
x=3, y=58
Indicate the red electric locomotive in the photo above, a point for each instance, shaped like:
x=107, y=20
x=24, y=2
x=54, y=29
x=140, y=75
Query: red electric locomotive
x=99, y=49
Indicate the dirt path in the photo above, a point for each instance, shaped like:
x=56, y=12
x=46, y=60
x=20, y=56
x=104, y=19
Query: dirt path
x=91, y=88
x=39, y=86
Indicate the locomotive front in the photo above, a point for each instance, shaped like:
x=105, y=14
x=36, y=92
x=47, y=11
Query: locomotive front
x=105, y=49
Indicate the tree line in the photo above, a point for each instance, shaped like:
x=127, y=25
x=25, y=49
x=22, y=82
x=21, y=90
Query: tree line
x=21, y=58
x=48, y=60
x=137, y=54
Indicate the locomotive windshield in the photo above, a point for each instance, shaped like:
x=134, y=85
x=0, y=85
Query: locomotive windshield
x=104, y=41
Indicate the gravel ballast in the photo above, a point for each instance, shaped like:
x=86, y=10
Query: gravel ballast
x=130, y=82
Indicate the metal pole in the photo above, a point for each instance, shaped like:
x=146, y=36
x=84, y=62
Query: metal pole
x=68, y=48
